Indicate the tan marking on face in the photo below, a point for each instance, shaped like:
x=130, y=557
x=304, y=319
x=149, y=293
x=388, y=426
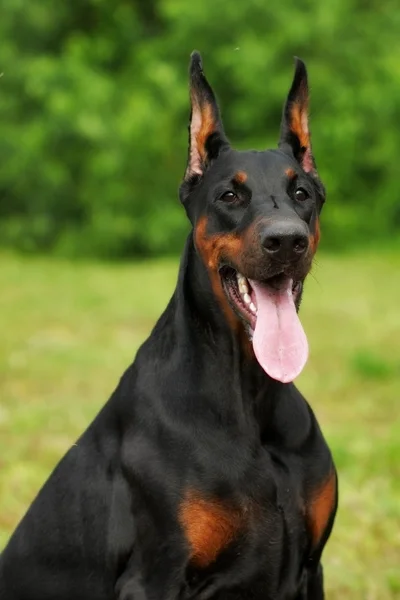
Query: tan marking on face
x=315, y=237
x=209, y=525
x=290, y=173
x=214, y=248
x=240, y=177
x=320, y=508
x=231, y=247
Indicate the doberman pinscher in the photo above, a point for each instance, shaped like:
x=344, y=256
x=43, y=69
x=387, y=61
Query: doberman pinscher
x=205, y=476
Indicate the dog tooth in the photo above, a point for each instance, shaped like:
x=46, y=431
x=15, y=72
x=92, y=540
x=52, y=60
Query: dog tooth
x=247, y=298
x=252, y=307
x=243, y=288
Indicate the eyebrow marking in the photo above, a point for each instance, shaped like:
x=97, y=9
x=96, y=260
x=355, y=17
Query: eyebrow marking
x=240, y=177
x=291, y=173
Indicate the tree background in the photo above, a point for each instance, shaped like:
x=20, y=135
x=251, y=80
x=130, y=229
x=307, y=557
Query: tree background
x=94, y=109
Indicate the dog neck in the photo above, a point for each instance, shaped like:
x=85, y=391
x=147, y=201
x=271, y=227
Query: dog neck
x=200, y=314
x=196, y=354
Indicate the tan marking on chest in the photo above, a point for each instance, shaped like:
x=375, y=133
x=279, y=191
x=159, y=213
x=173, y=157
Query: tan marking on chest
x=320, y=508
x=209, y=526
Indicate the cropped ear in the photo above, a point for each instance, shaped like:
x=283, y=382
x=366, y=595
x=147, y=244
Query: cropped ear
x=206, y=133
x=295, y=131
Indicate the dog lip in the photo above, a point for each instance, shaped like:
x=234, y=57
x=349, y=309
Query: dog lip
x=276, y=281
x=245, y=309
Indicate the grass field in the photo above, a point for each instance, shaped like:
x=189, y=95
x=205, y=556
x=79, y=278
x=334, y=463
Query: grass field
x=69, y=330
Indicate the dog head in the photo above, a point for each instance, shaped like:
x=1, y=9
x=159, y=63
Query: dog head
x=255, y=217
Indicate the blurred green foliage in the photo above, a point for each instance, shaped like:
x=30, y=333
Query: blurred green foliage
x=94, y=104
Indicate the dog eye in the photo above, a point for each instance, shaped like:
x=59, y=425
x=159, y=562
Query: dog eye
x=228, y=196
x=301, y=195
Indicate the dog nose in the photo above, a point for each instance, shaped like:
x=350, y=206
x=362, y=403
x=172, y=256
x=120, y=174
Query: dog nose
x=285, y=240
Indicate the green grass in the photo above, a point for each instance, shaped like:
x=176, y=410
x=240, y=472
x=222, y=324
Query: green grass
x=69, y=330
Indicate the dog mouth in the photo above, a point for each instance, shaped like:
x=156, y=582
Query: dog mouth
x=242, y=296
x=268, y=309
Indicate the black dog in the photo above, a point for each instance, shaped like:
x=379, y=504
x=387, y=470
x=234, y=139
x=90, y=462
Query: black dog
x=206, y=474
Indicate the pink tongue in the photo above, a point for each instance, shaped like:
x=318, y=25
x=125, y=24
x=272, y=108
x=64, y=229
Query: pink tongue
x=279, y=341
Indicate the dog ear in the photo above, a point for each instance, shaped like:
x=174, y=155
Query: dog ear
x=206, y=133
x=295, y=131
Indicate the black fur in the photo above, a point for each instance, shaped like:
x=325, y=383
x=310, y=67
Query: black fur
x=196, y=434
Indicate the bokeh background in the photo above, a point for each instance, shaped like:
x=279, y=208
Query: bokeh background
x=93, y=138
